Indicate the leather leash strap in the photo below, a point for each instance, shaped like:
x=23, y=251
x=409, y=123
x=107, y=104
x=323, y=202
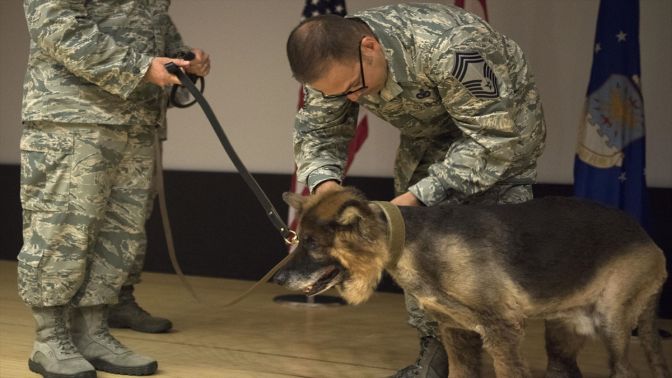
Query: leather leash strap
x=288, y=235
x=165, y=220
x=396, y=237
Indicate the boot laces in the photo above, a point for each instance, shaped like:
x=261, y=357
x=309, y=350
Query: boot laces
x=103, y=334
x=62, y=337
x=106, y=337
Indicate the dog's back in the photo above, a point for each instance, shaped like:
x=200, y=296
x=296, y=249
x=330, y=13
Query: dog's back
x=550, y=246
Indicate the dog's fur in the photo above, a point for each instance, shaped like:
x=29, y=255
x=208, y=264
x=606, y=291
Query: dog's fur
x=481, y=270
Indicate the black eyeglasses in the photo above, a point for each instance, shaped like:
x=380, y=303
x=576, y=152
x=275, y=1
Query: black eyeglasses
x=361, y=75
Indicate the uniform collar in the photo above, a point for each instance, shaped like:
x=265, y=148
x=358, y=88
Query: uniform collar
x=392, y=88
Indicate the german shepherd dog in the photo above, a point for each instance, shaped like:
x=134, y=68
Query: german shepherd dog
x=481, y=270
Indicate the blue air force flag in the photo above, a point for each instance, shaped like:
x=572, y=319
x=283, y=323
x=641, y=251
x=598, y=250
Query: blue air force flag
x=609, y=163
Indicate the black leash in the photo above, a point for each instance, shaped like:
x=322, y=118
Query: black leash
x=288, y=235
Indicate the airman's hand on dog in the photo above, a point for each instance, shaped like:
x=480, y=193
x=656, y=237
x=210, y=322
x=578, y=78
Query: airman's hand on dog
x=406, y=199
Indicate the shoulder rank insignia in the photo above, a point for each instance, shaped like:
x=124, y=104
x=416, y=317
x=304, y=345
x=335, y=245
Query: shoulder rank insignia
x=475, y=74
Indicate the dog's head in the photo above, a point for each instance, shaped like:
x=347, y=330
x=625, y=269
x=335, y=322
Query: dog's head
x=342, y=244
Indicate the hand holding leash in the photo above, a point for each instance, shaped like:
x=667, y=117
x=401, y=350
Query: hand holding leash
x=157, y=74
x=200, y=62
x=199, y=65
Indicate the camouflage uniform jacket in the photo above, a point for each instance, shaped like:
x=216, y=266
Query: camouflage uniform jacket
x=88, y=58
x=461, y=95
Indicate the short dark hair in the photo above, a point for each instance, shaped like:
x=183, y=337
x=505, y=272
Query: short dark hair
x=321, y=40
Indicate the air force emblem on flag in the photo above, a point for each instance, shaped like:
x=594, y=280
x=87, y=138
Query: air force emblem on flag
x=475, y=74
x=614, y=118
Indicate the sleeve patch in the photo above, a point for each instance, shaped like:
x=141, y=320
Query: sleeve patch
x=473, y=72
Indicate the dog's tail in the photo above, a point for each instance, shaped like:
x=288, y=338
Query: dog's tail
x=650, y=339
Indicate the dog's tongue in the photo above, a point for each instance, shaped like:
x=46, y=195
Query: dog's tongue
x=322, y=283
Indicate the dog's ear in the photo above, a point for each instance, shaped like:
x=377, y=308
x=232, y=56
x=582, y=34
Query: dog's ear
x=294, y=200
x=351, y=213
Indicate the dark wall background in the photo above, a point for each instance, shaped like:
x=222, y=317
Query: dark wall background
x=221, y=231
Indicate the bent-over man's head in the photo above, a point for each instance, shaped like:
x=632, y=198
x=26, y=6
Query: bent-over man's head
x=340, y=57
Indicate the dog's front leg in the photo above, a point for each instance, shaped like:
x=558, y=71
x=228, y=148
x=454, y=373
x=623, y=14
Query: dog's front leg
x=502, y=341
x=464, y=352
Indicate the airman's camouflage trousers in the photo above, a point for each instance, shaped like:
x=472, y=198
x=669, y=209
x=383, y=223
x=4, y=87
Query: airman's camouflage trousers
x=85, y=190
x=141, y=252
x=500, y=194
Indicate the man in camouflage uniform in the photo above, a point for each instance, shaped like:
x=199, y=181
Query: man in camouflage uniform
x=93, y=97
x=461, y=94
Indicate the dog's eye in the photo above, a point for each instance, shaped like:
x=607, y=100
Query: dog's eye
x=309, y=243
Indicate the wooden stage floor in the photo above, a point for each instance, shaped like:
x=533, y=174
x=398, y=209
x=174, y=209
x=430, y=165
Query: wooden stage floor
x=260, y=338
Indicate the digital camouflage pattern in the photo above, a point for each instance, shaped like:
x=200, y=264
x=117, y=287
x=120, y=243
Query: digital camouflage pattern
x=84, y=191
x=139, y=262
x=461, y=95
x=87, y=60
x=87, y=149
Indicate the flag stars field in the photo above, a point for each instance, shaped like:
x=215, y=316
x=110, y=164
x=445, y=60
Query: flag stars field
x=620, y=37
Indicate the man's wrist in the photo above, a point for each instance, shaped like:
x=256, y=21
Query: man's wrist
x=326, y=185
x=319, y=175
x=429, y=191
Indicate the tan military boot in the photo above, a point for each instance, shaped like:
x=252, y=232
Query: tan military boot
x=54, y=355
x=128, y=314
x=92, y=337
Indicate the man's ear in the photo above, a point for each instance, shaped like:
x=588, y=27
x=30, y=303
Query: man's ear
x=370, y=44
x=294, y=200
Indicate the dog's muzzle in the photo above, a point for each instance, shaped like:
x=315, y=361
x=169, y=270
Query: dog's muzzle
x=310, y=285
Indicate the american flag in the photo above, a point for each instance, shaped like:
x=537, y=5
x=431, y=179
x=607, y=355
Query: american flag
x=318, y=7
x=311, y=9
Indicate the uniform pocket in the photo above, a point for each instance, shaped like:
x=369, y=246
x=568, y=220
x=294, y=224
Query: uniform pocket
x=46, y=162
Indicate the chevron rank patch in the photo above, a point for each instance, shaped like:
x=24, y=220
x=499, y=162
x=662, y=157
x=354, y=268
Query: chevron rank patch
x=475, y=74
